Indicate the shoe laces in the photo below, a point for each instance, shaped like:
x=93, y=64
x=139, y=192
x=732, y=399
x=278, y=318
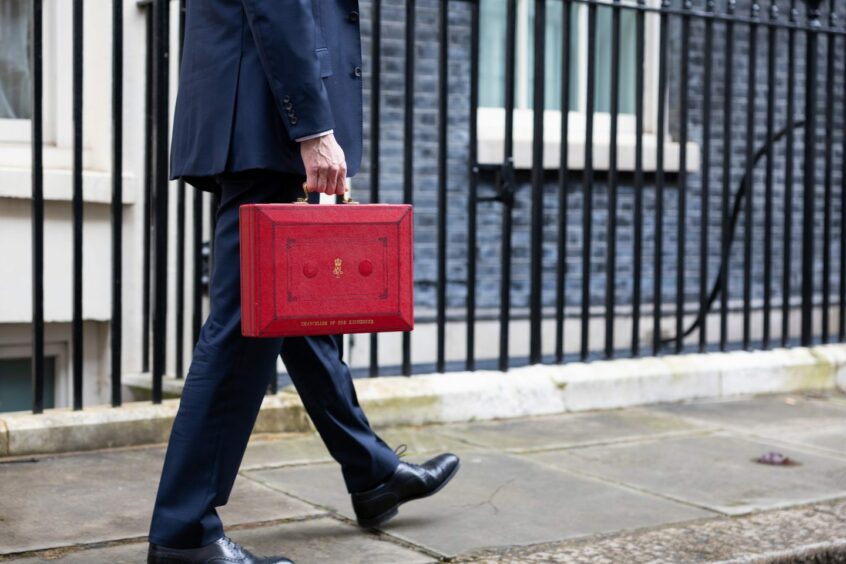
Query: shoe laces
x=401, y=449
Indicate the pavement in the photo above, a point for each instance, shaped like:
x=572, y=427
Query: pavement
x=664, y=483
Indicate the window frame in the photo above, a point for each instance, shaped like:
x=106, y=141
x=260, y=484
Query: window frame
x=19, y=131
x=490, y=119
x=62, y=384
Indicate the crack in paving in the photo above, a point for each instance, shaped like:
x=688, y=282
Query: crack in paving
x=489, y=500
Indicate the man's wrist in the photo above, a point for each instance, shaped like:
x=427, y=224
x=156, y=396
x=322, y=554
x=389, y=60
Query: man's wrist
x=313, y=136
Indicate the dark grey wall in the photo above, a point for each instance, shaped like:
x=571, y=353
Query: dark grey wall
x=489, y=233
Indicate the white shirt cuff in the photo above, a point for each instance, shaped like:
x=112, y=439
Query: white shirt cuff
x=322, y=133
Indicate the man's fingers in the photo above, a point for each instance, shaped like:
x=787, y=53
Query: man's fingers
x=326, y=169
x=331, y=180
x=311, y=179
x=321, y=179
x=341, y=186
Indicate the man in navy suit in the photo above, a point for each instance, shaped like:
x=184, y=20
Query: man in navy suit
x=269, y=98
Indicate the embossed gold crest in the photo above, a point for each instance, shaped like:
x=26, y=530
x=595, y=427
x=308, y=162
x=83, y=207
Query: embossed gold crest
x=338, y=270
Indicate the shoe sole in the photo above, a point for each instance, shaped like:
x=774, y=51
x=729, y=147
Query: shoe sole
x=386, y=516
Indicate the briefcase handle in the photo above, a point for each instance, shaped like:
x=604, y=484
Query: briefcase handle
x=314, y=197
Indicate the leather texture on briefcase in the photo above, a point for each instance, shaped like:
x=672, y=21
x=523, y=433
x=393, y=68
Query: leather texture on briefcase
x=326, y=269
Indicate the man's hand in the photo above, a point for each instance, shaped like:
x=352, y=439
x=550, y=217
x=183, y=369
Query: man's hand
x=325, y=165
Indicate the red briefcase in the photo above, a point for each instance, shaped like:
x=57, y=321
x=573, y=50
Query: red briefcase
x=326, y=269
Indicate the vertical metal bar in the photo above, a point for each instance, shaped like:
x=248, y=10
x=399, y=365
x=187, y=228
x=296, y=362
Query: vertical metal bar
x=637, y=240
x=510, y=78
x=375, y=109
x=117, y=201
x=506, y=181
x=179, y=321
x=587, y=182
x=536, y=289
x=76, y=339
x=181, y=29
x=664, y=33
x=813, y=26
x=408, y=148
x=563, y=181
x=505, y=283
x=728, y=83
x=214, y=204
x=681, y=225
x=828, y=172
x=443, y=53
x=148, y=193
x=197, y=234
x=787, y=242
x=197, y=266
x=748, y=225
x=160, y=193
x=473, y=197
x=37, y=98
x=841, y=293
x=768, y=195
x=706, y=175
x=611, y=261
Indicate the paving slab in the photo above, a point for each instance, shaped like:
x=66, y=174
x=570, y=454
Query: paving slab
x=830, y=436
x=717, y=472
x=132, y=553
x=317, y=541
x=299, y=449
x=101, y=496
x=762, y=412
x=308, y=448
x=837, y=397
x=569, y=430
x=495, y=500
x=808, y=534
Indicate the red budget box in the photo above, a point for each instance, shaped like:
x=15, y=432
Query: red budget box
x=326, y=269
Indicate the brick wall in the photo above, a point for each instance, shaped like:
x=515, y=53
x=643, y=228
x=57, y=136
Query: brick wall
x=489, y=232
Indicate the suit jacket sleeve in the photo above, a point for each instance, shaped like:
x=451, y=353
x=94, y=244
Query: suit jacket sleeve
x=284, y=32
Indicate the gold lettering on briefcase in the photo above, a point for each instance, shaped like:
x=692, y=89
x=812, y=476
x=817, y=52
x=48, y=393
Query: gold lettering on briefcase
x=338, y=270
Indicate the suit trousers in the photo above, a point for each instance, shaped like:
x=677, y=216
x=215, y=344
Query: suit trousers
x=228, y=377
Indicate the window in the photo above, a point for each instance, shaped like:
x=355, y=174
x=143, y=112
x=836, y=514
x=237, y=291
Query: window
x=15, y=65
x=16, y=383
x=492, y=57
x=492, y=63
x=491, y=116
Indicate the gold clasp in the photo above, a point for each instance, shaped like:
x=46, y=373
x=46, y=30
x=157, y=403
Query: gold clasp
x=304, y=199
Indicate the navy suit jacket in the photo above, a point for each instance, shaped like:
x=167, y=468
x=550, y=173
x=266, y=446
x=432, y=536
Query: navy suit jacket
x=257, y=74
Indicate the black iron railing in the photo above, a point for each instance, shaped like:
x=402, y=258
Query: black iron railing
x=727, y=49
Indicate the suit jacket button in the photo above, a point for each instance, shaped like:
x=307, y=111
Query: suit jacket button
x=286, y=99
x=288, y=105
x=357, y=71
x=353, y=16
x=293, y=120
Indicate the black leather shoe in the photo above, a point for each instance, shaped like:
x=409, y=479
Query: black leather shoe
x=409, y=481
x=222, y=550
